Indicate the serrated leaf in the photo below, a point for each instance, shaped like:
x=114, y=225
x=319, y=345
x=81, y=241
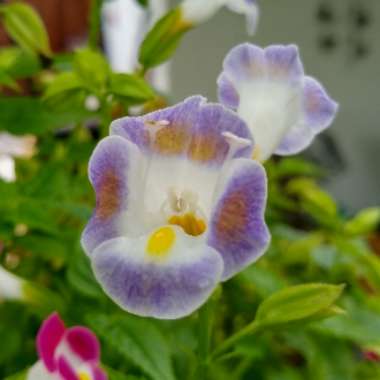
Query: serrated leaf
x=297, y=303
x=25, y=26
x=162, y=40
x=131, y=87
x=138, y=340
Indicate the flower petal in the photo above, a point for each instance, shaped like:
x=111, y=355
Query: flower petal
x=98, y=373
x=248, y=8
x=270, y=92
x=228, y=94
x=83, y=343
x=198, y=11
x=114, y=174
x=39, y=372
x=237, y=228
x=65, y=370
x=48, y=338
x=166, y=287
x=319, y=111
x=191, y=129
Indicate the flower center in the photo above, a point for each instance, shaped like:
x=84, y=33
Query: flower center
x=189, y=222
x=161, y=241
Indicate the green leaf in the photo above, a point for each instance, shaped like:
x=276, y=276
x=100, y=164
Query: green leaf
x=62, y=84
x=364, y=222
x=162, y=40
x=298, y=303
x=138, y=340
x=131, y=87
x=93, y=69
x=21, y=115
x=7, y=81
x=25, y=26
x=18, y=63
x=80, y=276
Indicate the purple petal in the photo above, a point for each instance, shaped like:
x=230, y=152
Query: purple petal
x=320, y=109
x=283, y=62
x=48, y=338
x=83, y=343
x=244, y=62
x=237, y=228
x=192, y=129
x=165, y=290
x=296, y=140
x=227, y=92
x=98, y=373
x=112, y=167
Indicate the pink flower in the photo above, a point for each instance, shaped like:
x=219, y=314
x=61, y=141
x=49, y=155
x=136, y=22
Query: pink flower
x=66, y=353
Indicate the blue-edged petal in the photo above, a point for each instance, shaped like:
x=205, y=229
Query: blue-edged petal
x=166, y=286
x=237, y=227
x=192, y=130
x=114, y=173
x=283, y=108
x=319, y=111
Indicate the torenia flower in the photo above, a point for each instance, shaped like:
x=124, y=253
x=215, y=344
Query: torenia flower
x=179, y=207
x=283, y=108
x=13, y=146
x=198, y=11
x=66, y=354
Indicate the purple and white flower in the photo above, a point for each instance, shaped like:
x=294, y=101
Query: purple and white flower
x=198, y=11
x=179, y=207
x=66, y=353
x=284, y=108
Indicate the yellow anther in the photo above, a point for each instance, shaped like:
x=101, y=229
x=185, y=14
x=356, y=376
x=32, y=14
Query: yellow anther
x=161, y=241
x=190, y=223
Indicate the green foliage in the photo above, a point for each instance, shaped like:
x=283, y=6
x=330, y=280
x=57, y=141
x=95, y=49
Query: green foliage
x=138, y=341
x=298, y=303
x=24, y=25
x=162, y=40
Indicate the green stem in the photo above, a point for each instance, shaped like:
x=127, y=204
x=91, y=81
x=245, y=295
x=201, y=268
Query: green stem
x=204, y=338
x=95, y=23
x=252, y=328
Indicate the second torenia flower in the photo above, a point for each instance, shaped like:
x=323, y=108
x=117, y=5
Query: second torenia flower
x=284, y=109
x=180, y=207
x=66, y=354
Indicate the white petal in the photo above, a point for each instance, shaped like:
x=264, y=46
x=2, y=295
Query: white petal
x=198, y=11
x=7, y=168
x=270, y=109
x=16, y=146
x=10, y=285
x=39, y=372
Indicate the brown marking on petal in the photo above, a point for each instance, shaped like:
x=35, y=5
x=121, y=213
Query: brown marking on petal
x=108, y=197
x=232, y=216
x=172, y=139
x=204, y=148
